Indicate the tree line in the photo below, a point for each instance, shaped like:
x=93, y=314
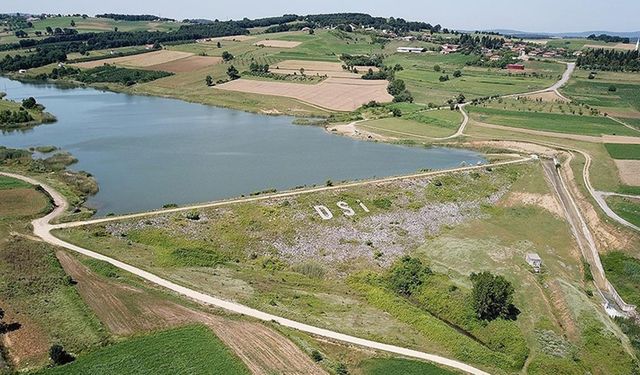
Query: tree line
x=133, y=17
x=610, y=60
x=608, y=38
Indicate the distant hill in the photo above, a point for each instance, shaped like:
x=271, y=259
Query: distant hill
x=582, y=34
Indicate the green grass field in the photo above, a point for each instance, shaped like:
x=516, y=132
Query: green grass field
x=551, y=122
x=416, y=125
x=623, y=102
x=423, y=81
x=627, y=208
x=398, y=366
x=624, y=273
x=12, y=183
x=623, y=151
x=188, y=350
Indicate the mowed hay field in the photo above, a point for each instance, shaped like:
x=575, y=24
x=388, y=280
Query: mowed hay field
x=278, y=43
x=321, y=68
x=337, y=94
x=164, y=60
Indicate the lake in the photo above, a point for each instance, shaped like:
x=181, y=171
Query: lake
x=148, y=151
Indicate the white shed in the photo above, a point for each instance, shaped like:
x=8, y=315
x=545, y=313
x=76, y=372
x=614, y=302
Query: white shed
x=534, y=261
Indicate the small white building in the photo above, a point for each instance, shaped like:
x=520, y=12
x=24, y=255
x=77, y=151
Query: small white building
x=410, y=50
x=534, y=261
x=22, y=71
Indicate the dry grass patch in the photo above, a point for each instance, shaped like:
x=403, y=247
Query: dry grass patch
x=337, y=94
x=21, y=202
x=330, y=69
x=143, y=60
x=278, y=43
x=623, y=46
x=629, y=171
x=187, y=64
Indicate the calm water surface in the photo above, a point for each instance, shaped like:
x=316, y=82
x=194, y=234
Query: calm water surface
x=147, y=151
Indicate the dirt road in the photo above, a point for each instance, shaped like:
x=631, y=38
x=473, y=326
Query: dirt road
x=42, y=229
x=615, y=305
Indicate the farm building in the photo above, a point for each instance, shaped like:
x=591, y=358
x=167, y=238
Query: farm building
x=410, y=49
x=515, y=66
x=534, y=261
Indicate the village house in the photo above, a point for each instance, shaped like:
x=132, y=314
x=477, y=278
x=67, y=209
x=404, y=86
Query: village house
x=449, y=48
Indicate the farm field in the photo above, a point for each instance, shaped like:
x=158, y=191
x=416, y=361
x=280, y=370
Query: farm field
x=623, y=271
x=623, y=102
x=89, y=24
x=163, y=60
x=417, y=125
x=337, y=94
x=34, y=290
x=627, y=208
x=193, y=349
x=394, y=366
x=292, y=275
x=623, y=151
x=424, y=82
x=560, y=123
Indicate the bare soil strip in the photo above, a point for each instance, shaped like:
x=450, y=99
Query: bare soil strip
x=187, y=64
x=139, y=61
x=629, y=171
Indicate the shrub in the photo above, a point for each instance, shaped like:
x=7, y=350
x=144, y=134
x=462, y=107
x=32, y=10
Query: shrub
x=407, y=274
x=59, y=356
x=316, y=356
x=193, y=215
x=312, y=270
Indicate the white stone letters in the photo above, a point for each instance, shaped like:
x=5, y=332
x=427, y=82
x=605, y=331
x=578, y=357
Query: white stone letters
x=326, y=214
x=346, y=210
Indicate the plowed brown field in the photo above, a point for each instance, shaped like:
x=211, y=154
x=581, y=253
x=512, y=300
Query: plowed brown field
x=337, y=94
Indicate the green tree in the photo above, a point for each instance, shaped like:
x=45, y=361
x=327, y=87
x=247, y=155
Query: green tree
x=396, y=87
x=316, y=356
x=460, y=98
x=437, y=68
x=311, y=32
x=341, y=369
x=232, y=72
x=219, y=45
x=226, y=56
x=209, y=80
x=29, y=103
x=407, y=274
x=49, y=30
x=396, y=112
x=457, y=74
x=59, y=356
x=493, y=297
x=115, y=29
x=73, y=23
